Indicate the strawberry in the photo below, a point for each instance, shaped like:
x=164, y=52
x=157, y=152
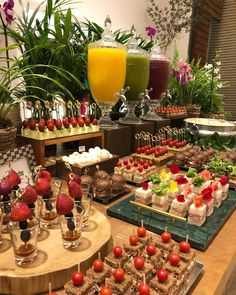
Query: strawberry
x=13, y=178
x=43, y=187
x=64, y=204
x=41, y=125
x=71, y=176
x=25, y=124
x=87, y=121
x=58, y=124
x=20, y=212
x=75, y=190
x=66, y=122
x=95, y=121
x=32, y=124
x=5, y=188
x=30, y=195
x=80, y=122
x=45, y=174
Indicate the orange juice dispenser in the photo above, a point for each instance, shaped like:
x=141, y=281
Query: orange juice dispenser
x=158, y=80
x=137, y=77
x=106, y=73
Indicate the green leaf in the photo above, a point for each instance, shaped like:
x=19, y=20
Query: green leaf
x=67, y=28
x=57, y=26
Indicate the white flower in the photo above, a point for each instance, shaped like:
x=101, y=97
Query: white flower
x=218, y=76
x=218, y=63
x=216, y=71
x=220, y=85
x=208, y=66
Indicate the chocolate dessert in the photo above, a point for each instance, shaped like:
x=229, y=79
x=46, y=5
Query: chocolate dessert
x=87, y=180
x=165, y=248
x=134, y=250
x=118, y=183
x=155, y=260
x=164, y=288
x=124, y=287
x=87, y=288
x=178, y=271
x=100, y=174
x=99, y=276
x=115, y=261
x=103, y=188
x=138, y=274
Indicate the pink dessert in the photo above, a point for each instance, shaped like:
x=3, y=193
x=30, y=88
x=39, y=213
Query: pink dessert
x=179, y=206
x=197, y=212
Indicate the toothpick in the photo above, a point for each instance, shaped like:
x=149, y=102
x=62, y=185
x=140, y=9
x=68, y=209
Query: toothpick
x=99, y=255
x=141, y=222
x=166, y=229
x=187, y=238
x=144, y=279
x=78, y=266
x=50, y=287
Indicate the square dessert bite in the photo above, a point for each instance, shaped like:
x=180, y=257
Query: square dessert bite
x=99, y=276
x=134, y=247
x=153, y=256
x=166, y=246
x=143, y=194
x=87, y=288
x=197, y=213
x=122, y=287
x=160, y=202
x=166, y=287
x=178, y=271
x=179, y=206
x=115, y=261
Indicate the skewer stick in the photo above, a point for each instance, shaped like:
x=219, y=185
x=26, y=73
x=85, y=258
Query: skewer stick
x=144, y=279
x=166, y=229
x=50, y=287
x=141, y=222
x=78, y=266
x=99, y=255
x=187, y=238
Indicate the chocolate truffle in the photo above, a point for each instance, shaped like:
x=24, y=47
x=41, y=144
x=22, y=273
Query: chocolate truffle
x=103, y=188
x=118, y=182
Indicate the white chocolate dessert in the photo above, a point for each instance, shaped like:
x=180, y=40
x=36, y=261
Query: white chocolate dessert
x=197, y=214
x=179, y=206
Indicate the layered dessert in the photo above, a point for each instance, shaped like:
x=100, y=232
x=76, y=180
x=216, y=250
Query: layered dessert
x=99, y=272
x=198, y=184
x=182, y=183
x=191, y=174
x=134, y=247
x=197, y=212
x=143, y=194
x=217, y=194
x=138, y=268
x=155, y=181
x=120, y=283
x=173, y=191
x=164, y=283
x=117, y=183
x=153, y=256
x=186, y=254
x=207, y=177
x=224, y=186
x=165, y=176
x=208, y=200
x=174, y=171
x=102, y=188
x=179, y=206
x=160, y=198
x=165, y=244
x=140, y=175
x=117, y=258
x=189, y=195
x=80, y=285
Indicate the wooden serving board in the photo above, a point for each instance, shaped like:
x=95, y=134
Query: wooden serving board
x=54, y=263
x=200, y=237
x=158, y=161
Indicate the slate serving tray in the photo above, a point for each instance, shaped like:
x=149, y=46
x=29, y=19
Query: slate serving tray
x=199, y=237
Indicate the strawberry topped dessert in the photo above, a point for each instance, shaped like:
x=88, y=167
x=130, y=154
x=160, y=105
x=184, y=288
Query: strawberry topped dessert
x=174, y=171
x=143, y=194
x=79, y=285
x=116, y=258
x=120, y=283
x=224, y=186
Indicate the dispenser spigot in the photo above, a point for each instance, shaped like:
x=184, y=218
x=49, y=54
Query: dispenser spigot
x=146, y=94
x=121, y=95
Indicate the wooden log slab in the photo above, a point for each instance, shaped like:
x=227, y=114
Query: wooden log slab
x=54, y=263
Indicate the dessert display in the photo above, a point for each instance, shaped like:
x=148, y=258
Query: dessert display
x=93, y=156
x=103, y=188
x=170, y=112
x=165, y=243
x=118, y=183
x=143, y=236
x=136, y=171
x=44, y=125
x=153, y=255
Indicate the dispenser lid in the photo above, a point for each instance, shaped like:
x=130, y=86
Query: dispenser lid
x=132, y=44
x=156, y=51
x=107, y=40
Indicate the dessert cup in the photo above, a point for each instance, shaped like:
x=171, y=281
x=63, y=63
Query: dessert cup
x=6, y=211
x=24, y=241
x=85, y=201
x=49, y=217
x=71, y=227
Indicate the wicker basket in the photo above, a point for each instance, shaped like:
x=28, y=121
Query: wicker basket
x=7, y=139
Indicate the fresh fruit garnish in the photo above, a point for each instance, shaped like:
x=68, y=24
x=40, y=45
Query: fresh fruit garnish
x=25, y=235
x=29, y=194
x=42, y=186
x=138, y=262
x=117, y=251
x=155, y=178
x=145, y=165
x=66, y=122
x=119, y=164
x=184, y=246
x=119, y=274
x=45, y=174
x=126, y=162
x=58, y=124
x=174, y=259
x=144, y=289
x=198, y=201
x=5, y=188
x=98, y=265
x=77, y=278
x=105, y=291
x=131, y=160
x=87, y=121
x=135, y=164
x=80, y=122
x=13, y=178
x=140, y=169
x=133, y=240
x=41, y=125
x=162, y=190
x=64, y=204
x=174, y=169
x=145, y=186
x=198, y=181
x=20, y=211
x=181, y=180
x=71, y=176
x=180, y=198
x=151, y=250
x=95, y=121
x=128, y=166
x=223, y=180
x=166, y=237
x=162, y=275
x=141, y=231
x=75, y=190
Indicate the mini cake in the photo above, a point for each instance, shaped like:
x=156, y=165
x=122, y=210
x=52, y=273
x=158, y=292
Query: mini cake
x=117, y=258
x=153, y=256
x=143, y=194
x=100, y=174
x=119, y=169
x=182, y=183
x=140, y=175
x=117, y=183
x=79, y=285
x=143, y=237
x=120, y=283
x=128, y=172
x=188, y=194
x=134, y=247
x=165, y=244
x=197, y=212
x=186, y=254
x=99, y=272
x=179, y=206
x=207, y=178
x=164, y=283
x=103, y=188
x=198, y=184
x=165, y=176
x=174, y=171
x=155, y=180
x=224, y=186
x=173, y=191
x=208, y=200
x=217, y=194
x=191, y=174
x=160, y=198
x=138, y=268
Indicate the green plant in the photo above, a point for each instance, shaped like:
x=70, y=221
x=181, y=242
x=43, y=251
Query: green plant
x=218, y=166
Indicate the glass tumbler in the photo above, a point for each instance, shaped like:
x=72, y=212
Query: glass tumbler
x=71, y=227
x=85, y=201
x=24, y=240
x=49, y=217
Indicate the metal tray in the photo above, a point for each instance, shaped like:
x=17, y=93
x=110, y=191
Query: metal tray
x=109, y=199
x=197, y=269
